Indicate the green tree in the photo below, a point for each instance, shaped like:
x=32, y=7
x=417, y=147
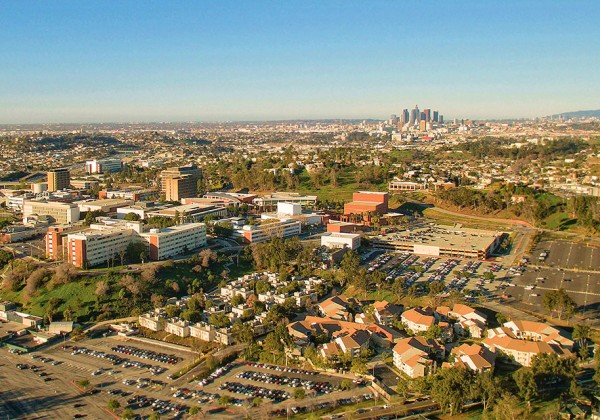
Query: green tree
x=132, y=217
x=525, y=380
x=506, y=408
x=113, y=405
x=257, y=401
x=450, y=388
x=582, y=334
x=194, y=410
x=225, y=400
x=242, y=332
x=299, y=393
x=486, y=388
x=83, y=383
x=237, y=300
x=219, y=320
x=402, y=388
x=349, y=267
x=128, y=414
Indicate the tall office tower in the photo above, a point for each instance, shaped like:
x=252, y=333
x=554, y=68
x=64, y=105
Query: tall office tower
x=427, y=113
x=58, y=179
x=441, y=119
x=181, y=182
x=422, y=118
x=435, y=116
x=405, y=116
x=417, y=114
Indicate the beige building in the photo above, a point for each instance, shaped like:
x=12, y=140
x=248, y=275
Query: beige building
x=60, y=213
x=58, y=179
x=180, y=182
x=152, y=321
x=178, y=327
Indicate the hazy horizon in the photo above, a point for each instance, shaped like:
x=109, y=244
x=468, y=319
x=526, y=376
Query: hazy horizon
x=121, y=62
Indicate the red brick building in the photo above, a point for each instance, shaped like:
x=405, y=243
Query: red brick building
x=367, y=201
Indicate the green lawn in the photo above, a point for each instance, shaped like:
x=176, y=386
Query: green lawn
x=342, y=192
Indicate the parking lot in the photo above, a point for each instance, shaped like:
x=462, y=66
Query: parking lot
x=243, y=382
x=419, y=270
x=134, y=373
x=45, y=393
x=566, y=254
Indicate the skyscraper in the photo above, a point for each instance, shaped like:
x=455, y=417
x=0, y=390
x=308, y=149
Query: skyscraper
x=415, y=116
x=58, y=179
x=435, y=116
x=427, y=113
x=405, y=116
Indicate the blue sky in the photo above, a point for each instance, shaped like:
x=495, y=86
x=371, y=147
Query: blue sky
x=80, y=61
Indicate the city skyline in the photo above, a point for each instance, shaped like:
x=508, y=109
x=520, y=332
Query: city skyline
x=182, y=61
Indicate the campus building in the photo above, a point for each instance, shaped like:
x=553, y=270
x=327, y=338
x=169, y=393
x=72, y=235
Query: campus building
x=56, y=212
x=367, y=201
x=271, y=229
x=107, y=240
x=176, y=240
x=341, y=240
x=269, y=202
x=58, y=179
x=434, y=240
x=180, y=182
x=103, y=166
x=397, y=185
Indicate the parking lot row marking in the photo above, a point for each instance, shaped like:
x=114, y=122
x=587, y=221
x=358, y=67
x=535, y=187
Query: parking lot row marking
x=570, y=291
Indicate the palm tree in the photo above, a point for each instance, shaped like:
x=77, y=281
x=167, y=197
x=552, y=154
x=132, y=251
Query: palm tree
x=582, y=333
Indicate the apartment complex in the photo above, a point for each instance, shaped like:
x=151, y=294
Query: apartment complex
x=58, y=179
x=180, y=182
x=57, y=212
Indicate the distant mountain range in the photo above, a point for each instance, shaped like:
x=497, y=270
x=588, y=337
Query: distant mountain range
x=579, y=114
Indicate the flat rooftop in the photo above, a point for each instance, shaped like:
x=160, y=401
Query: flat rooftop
x=443, y=237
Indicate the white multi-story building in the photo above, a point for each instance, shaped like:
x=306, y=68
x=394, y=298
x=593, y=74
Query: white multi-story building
x=175, y=240
x=108, y=240
x=103, y=166
x=341, y=240
x=152, y=321
x=271, y=229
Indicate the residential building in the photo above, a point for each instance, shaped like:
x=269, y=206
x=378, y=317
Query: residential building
x=413, y=356
x=178, y=327
x=153, y=321
x=337, y=307
x=418, y=319
x=386, y=313
x=473, y=357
